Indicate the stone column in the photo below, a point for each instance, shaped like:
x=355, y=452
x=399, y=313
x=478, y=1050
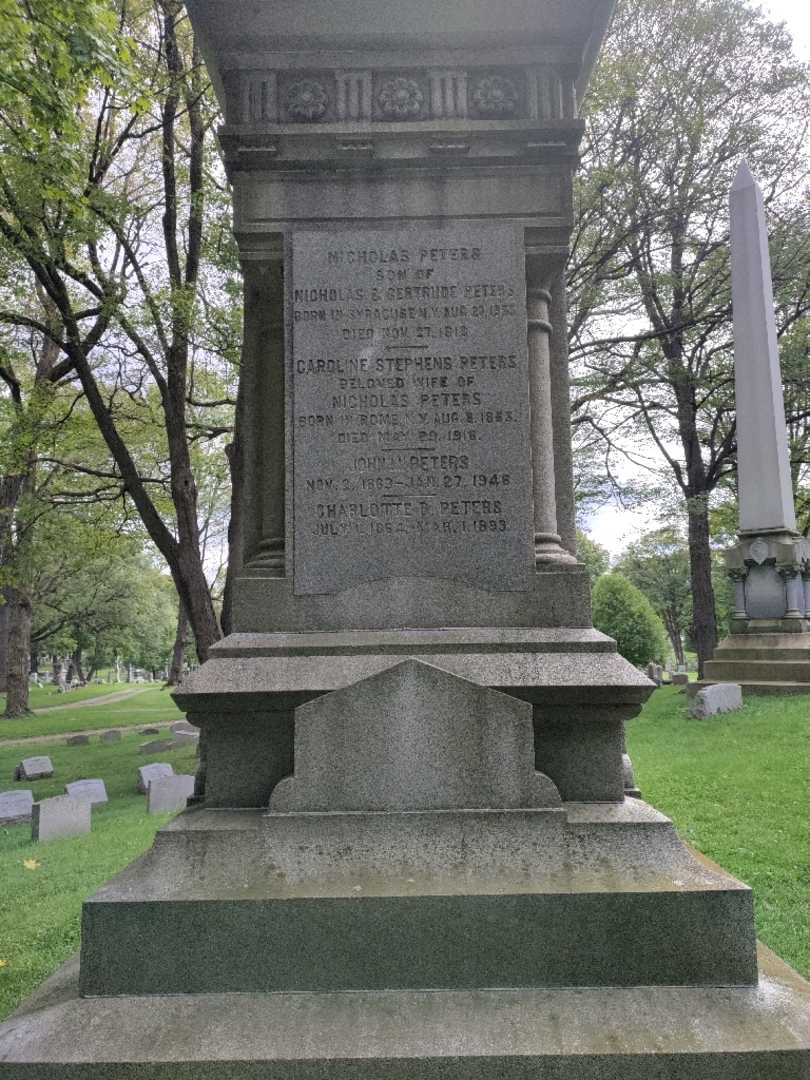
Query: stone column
x=738, y=578
x=794, y=591
x=547, y=544
x=561, y=413
x=263, y=416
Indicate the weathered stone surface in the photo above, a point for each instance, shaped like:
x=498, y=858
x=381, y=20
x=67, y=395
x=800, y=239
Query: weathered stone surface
x=169, y=793
x=150, y=730
x=680, y=678
x=413, y=738
x=59, y=817
x=92, y=791
x=77, y=740
x=34, y=768
x=112, y=736
x=409, y=441
x=154, y=771
x=15, y=806
x=765, y=488
x=719, y=698
x=183, y=727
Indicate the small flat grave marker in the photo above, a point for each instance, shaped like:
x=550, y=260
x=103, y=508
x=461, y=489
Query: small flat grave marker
x=153, y=771
x=77, y=740
x=61, y=816
x=34, y=768
x=15, y=806
x=157, y=746
x=169, y=793
x=110, y=736
x=92, y=791
x=149, y=731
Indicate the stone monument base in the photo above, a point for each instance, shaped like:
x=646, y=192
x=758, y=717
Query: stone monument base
x=633, y=1033
x=764, y=659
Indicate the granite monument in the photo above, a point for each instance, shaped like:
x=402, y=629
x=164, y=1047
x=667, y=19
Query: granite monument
x=410, y=853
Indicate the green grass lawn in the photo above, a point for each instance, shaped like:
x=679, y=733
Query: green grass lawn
x=40, y=908
x=44, y=697
x=738, y=789
x=147, y=707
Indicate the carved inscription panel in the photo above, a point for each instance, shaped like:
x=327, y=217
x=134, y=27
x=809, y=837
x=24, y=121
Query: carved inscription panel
x=408, y=410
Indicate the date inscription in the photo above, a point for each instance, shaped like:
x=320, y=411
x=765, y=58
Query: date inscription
x=408, y=407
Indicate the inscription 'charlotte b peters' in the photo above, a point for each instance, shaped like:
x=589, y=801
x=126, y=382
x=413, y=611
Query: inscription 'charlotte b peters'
x=409, y=408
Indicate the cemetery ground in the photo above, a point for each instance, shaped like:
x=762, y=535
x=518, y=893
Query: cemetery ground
x=736, y=785
x=146, y=706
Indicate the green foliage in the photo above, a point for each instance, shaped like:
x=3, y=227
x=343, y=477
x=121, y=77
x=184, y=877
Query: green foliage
x=623, y=612
x=718, y=780
x=658, y=564
x=595, y=557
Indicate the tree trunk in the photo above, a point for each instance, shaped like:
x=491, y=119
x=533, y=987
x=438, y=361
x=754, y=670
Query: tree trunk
x=179, y=650
x=704, y=624
x=674, y=635
x=19, y=652
x=76, y=663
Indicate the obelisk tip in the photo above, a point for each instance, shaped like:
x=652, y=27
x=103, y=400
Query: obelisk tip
x=744, y=177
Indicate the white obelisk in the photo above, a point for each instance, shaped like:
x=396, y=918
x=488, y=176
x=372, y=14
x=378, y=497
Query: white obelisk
x=763, y=466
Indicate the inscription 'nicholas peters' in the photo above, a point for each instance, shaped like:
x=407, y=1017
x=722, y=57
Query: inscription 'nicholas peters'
x=446, y=431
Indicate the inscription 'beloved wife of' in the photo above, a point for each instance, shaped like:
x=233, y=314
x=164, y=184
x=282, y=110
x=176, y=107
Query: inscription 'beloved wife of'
x=408, y=407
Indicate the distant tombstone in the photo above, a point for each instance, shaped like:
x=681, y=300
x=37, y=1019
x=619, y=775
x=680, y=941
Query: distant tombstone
x=157, y=746
x=154, y=771
x=719, y=698
x=149, y=731
x=34, y=768
x=15, y=806
x=77, y=740
x=680, y=678
x=169, y=793
x=61, y=816
x=92, y=791
x=182, y=727
x=110, y=736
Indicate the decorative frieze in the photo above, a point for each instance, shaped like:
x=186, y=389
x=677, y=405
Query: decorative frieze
x=321, y=97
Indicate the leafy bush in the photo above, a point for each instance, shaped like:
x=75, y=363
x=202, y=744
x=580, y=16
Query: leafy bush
x=623, y=612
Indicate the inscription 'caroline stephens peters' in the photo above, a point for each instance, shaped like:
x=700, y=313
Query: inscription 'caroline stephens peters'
x=408, y=404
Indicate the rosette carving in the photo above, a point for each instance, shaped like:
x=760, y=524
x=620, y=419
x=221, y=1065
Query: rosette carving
x=495, y=95
x=306, y=100
x=400, y=99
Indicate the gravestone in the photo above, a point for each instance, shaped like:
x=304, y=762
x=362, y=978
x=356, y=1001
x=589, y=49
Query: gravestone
x=680, y=678
x=34, y=768
x=169, y=793
x=718, y=698
x=409, y=851
x=149, y=730
x=112, y=736
x=769, y=566
x=182, y=727
x=158, y=746
x=77, y=740
x=155, y=771
x=92, y=791
x=60, y=817
x=15, y=806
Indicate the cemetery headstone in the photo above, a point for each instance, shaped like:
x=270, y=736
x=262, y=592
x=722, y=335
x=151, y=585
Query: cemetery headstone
x=169, y=793
x=112, y=736
x=150, y=730
x=157, y=746
x=769, y=565
x=15, y=806
x=680, y=678
x=411, y=800
x=154, y=771
x=719, y=698
x=60, y=817
x=77, y=740
x=92, y=791
x=34, y=768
